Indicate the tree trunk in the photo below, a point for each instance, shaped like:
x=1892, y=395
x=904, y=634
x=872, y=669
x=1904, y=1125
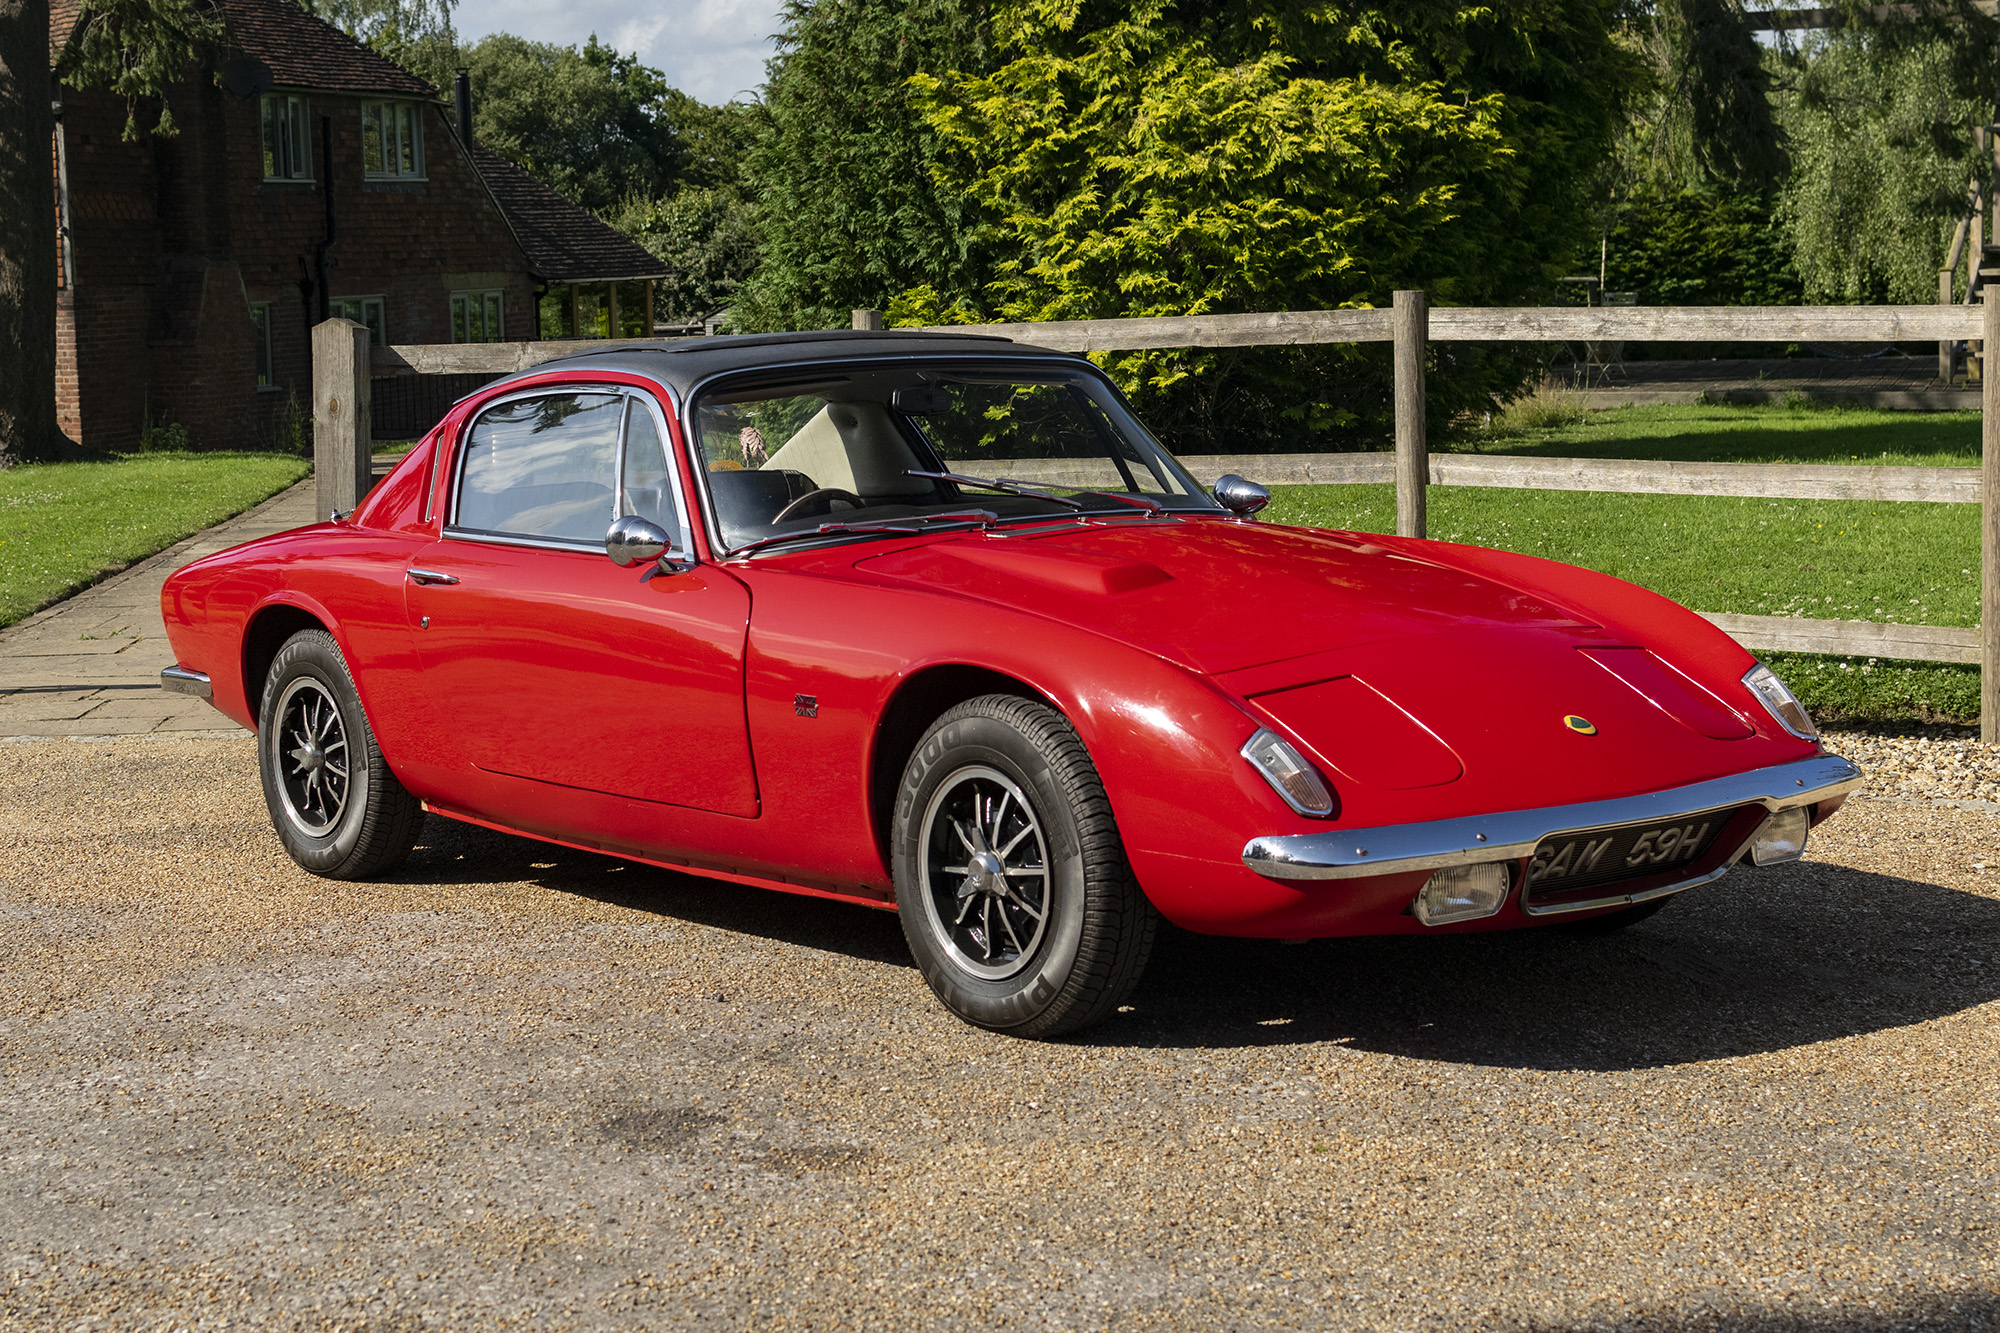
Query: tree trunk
x=27, y=237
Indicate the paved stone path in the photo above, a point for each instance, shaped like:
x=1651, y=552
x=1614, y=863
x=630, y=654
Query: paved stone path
x=1906, y=383
x=90, y=665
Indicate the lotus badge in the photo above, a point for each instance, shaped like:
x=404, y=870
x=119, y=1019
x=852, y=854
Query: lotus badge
x=1582, y=726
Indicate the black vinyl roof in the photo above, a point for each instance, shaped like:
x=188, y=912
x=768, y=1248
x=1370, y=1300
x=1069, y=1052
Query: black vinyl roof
x=681, y=363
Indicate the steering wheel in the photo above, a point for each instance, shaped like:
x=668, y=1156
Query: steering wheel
x=824, y=497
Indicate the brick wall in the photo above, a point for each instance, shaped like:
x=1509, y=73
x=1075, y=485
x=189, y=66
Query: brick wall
x=174, y=239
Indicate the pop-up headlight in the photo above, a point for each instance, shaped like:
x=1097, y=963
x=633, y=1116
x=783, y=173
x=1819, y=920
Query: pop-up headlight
x=1288, y=773
x=1780, y=702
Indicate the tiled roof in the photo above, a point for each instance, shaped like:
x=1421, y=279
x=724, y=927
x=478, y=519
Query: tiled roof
x=302, y=51
x=564, y=243
x=63, y=15
x=307, y=52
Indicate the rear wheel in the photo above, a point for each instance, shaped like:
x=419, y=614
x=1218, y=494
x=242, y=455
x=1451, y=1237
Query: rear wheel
x=336, y=806
x=1011, y=881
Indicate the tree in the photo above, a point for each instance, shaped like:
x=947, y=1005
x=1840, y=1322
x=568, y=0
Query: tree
x=596, y=125
x=1172, y=157
x=708, y=240
x=136, y=48
x=416, y=34
x=1880, y=115
x=846, y=178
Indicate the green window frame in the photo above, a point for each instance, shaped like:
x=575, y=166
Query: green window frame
x=478, y=317
x=392, y=141
x=369, y=310
x=287, y=145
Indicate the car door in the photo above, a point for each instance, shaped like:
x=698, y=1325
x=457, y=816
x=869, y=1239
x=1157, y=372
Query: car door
x=545, y=661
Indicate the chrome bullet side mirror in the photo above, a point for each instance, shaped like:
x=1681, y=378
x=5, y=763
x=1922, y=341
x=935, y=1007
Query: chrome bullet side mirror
x=634, y=540
x=1239, y=495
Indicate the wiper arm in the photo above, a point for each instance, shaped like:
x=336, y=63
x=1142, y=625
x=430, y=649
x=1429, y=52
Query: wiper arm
x=916, y=523
x=1005, y=484
x=1045, y=490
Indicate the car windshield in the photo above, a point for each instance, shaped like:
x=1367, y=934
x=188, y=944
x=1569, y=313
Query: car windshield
x=842, y=447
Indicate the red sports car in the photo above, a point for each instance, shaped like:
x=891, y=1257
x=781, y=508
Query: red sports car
x=934, y=623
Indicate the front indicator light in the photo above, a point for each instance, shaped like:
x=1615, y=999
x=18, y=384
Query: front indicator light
x=1288, y=773
x=1463, y=893
x=1780, y=702
x=1780, y=838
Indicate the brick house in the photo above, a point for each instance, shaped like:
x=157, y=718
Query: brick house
x=311, y=176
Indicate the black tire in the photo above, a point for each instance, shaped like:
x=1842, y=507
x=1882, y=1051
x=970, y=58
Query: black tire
x=336, y=806
x=1017, y=771
x=1613, y=922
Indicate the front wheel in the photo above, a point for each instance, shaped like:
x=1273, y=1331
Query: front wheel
x=336, y=806
x=1011, y=880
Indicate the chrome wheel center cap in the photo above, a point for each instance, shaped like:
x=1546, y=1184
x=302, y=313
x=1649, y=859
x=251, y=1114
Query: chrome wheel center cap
x=989, y=875
x=312, y=757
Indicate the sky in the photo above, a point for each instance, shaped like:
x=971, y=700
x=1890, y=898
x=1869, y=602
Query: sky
x=711, y=49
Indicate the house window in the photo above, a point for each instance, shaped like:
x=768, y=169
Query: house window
x=475, y=317
x=287, y=148
x=392, y=141
x=364, y=310
x=260, y=340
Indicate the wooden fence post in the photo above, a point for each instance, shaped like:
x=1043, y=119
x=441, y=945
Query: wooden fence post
x=1412, y=333
x=341, y=438
x=1989, y=533
x=868, y=319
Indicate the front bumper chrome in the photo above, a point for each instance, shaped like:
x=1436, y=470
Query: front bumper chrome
x=1511, y=834
x=180, y=680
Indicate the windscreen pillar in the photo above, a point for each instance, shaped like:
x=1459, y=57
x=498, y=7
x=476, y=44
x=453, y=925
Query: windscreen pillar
x=341, y=439
x=1411, y=323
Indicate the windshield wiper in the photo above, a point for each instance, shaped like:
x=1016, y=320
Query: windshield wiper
x=1041, y=490
x=1010, y=486
x=915, y=523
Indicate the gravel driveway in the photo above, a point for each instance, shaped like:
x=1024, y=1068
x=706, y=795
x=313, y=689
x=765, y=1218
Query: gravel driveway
x=521, y=1086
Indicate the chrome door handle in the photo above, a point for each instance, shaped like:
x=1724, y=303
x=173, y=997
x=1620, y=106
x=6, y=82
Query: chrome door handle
x=429, y=576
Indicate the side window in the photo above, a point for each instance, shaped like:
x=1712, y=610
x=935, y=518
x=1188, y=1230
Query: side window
x=542, y=467
x=646, y=489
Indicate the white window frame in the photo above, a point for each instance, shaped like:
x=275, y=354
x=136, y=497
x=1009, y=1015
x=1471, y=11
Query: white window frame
x=392, y=119
x=284, y=137
x=492, y=303
x=357, y=308
x=260, y=335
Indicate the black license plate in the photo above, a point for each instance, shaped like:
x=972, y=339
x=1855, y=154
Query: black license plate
x=1600, y=856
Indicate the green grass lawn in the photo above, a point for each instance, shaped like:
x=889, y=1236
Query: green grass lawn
x=63, y=526
x=1741, y=434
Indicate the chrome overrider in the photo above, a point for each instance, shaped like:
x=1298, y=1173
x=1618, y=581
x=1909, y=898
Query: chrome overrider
x=1512, y=834
x=180, y=680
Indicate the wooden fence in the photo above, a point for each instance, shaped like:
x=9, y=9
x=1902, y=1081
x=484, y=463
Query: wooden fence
x=344, y=364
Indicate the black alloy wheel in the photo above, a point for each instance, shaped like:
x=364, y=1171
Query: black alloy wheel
x=336, y=807
x=1011, y=881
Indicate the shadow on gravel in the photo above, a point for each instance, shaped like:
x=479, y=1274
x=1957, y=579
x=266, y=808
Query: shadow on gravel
x=455, y=853
x=1949, y=1312
x=1759, y=961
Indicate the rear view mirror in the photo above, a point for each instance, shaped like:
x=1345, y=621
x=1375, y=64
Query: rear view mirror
x=633, y=539
x=921, y=400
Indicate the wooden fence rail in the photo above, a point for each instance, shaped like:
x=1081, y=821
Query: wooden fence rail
x=342, y=381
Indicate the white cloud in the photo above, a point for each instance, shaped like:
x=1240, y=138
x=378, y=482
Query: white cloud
x=711, y=49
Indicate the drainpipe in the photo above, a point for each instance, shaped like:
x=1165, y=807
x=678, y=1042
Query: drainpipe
x=325, y=258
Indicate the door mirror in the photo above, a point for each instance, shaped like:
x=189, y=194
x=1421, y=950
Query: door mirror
x=633, y=539
x=1239, y=495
